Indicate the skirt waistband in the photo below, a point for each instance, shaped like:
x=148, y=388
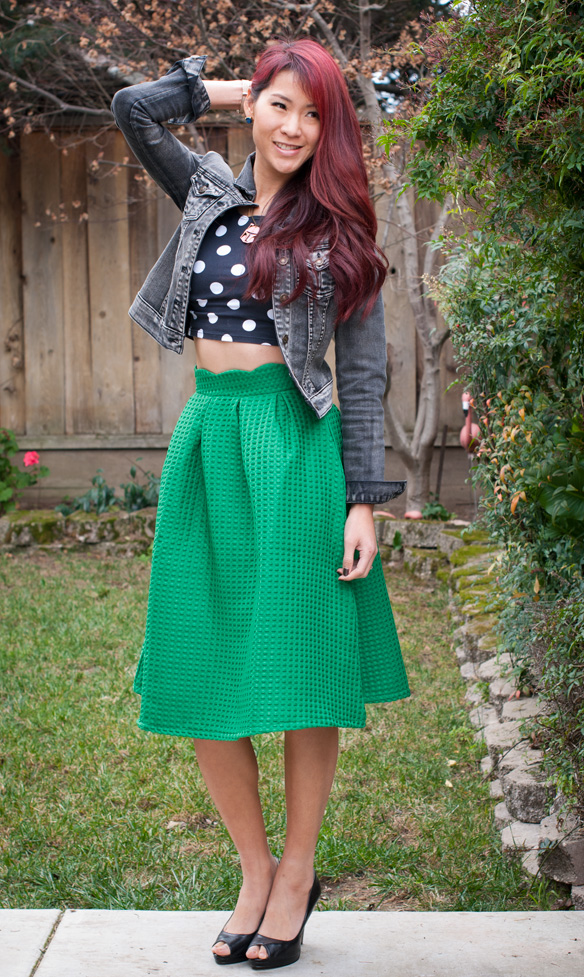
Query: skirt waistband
x=265, y=379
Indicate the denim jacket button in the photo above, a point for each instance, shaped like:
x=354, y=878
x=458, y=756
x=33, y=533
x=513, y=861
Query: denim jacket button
x=318, y=262
x=285, y=338
x=283, y=260
x=284, y=297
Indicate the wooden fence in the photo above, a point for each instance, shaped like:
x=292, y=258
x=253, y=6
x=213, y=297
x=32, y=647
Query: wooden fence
x=76, y=242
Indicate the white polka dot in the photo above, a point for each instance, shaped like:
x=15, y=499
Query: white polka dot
x=199, y=267
x=224, y=249
x=226, y=338
x=237, y=270
x=221, y=230
x=243, y=220
x=212, y=317
x=249, y=325
x=202, y=302
x=200, y=333
x=216, y=288
x=254, y=296
x=262, y=344
x=233, y=303
x=270, y=313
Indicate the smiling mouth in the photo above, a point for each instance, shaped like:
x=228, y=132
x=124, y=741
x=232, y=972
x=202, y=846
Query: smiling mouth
x=285, y=145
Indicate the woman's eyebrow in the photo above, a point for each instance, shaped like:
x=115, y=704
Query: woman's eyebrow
x=285, y=98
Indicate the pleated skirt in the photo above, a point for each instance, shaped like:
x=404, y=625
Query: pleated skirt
x=249, y=629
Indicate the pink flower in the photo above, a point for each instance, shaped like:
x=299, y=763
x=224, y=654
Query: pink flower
x=30, y=458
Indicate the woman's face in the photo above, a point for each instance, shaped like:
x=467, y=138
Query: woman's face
x=286, y=126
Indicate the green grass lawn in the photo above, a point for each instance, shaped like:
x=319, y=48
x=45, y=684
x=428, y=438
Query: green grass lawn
x=86, y=798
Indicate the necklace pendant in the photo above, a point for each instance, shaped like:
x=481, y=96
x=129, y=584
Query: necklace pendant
x=249, y=235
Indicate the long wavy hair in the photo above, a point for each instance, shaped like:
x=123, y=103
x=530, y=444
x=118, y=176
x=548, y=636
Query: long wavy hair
x=328, y=197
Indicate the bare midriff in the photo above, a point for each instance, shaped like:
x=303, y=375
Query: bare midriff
x=216, y=356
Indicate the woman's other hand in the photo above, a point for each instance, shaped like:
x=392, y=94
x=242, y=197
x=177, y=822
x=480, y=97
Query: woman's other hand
x=359, y=535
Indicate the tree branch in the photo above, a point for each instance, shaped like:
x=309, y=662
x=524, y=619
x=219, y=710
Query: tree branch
x=64, y=106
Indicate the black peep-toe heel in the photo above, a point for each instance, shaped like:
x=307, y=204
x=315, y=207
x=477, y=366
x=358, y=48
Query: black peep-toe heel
x=238, y=943
x=283, y=952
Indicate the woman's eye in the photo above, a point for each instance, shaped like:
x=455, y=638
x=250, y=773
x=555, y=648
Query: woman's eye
x=280, y=105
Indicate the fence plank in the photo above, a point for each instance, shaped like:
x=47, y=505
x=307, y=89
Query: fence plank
x=43, y=286
x=12, y=401
x=239, y=146
x=143, y=216
x=176, y=372
x=109, y=283
x=79, y=415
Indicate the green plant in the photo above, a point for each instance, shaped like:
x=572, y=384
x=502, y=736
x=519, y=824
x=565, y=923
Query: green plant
x=12, y=479
x=102, y=497
x=501, y=131
x=435, y=510
x=397, y=543
x=138, y=495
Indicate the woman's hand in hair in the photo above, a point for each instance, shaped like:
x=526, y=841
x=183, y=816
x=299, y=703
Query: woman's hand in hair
x=360, y=536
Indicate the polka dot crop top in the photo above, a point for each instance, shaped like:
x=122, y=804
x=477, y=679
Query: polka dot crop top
x=217, y=309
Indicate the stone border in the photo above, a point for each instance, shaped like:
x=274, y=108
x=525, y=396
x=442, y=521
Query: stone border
x=528, y=810
x=124, y=533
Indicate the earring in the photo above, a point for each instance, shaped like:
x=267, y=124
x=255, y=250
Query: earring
x=248, y=119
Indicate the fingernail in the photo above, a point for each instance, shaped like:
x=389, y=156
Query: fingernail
x=345, y=572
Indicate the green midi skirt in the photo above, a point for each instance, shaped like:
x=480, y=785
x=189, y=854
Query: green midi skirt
x=249, y=629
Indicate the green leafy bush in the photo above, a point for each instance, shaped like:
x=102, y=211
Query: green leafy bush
x=502, y=132
x=12, y=479
x=103, y=498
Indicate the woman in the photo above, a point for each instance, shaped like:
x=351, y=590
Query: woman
x=267, y=609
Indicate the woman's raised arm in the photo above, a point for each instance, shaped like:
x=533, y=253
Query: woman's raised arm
x=180, y=96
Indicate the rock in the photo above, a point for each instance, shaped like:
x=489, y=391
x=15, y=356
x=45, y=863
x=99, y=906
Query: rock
x=424, y=563
x=495, y=790
x=521, y=708
x=527, y=794
x=578, y=897
x=469, y=672
x=470, y=633
x=501, y=816
x=530, y=862
x=489, y=670
x=460, y=655
x=474, y=695
x=519, y=836
x=501, y=737
x=499, y=691
x=520, y=756
x=486, y=766
x=563, y=862
x=482, y=715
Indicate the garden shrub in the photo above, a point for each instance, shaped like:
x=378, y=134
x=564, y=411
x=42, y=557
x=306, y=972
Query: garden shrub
x=103, y=498
x=501, y=130
x=12, y=479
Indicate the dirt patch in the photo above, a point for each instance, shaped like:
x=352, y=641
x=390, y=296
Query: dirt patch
x=356, y=893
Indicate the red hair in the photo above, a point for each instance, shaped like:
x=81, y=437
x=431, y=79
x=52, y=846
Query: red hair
x=328, y=198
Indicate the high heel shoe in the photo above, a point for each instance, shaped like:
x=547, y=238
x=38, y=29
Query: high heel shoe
x=238, y=943
x=282, y=952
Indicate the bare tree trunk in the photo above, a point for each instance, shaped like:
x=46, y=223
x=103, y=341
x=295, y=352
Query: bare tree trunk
x=416, y=451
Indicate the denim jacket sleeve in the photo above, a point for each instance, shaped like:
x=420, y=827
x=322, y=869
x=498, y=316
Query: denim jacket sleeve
x=360, y=361
x=139, y=111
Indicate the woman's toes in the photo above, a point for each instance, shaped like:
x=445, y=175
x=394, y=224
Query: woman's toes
x=221, y=949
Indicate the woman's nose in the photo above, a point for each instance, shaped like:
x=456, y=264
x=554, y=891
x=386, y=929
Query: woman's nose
x=291, y=124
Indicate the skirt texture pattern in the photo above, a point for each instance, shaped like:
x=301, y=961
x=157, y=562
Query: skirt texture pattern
x=248, y=628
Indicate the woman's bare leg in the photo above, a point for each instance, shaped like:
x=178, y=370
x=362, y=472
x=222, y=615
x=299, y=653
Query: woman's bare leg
x=230, y=772
x=311, y=758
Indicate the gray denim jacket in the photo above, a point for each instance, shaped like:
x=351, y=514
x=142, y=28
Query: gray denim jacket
x=203, y=187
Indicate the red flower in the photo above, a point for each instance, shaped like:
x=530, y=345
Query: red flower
x=30, y=458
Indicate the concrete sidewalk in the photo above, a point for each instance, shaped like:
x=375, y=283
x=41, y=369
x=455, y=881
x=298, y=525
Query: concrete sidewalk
x=122, y=943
